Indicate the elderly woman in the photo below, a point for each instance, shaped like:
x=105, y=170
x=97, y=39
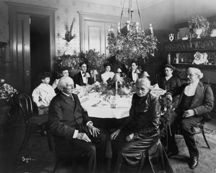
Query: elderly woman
x=139, y=132
x=169, y=82
x=107, y=74
x=196, y=100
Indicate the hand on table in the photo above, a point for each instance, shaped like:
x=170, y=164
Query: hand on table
x=115, y=134
x=83, y=136
x=188, y=113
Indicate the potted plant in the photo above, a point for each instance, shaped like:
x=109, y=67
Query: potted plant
x=198, y=25
x=6, y=94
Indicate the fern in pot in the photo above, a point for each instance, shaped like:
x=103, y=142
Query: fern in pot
x=198, y=25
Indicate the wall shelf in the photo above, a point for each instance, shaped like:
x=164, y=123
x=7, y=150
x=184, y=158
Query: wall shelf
x=194, y=65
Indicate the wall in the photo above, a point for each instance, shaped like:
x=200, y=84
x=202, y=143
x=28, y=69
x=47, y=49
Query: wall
x=161, y=15
x=185, y=9
x=66, y=10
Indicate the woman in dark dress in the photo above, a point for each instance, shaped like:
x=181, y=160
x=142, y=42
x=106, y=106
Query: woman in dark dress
x=169, y=82
x=139, y=134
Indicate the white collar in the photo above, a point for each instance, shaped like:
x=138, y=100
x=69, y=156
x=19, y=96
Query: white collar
x=66, y=94
x=195, y=83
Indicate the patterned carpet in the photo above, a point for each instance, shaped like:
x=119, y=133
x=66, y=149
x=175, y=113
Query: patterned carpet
x=36, y=157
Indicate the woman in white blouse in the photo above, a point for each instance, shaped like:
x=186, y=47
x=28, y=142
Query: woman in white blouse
x=107, y=74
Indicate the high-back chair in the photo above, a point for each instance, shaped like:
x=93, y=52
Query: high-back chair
x=31, y=119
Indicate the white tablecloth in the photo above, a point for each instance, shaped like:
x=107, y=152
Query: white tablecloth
x=101, y=106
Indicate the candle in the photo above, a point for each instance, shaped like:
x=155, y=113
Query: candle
x=119, y=27
x=151, y=28
x=116, y=87
x=137, y=26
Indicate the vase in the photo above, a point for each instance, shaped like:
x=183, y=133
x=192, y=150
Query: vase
x=198, y=31
x=213, y=33
x=4, y=114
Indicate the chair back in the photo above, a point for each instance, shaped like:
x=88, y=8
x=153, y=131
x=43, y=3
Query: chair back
x=25, y=104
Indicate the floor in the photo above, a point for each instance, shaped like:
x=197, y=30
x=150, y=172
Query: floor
x=11, y=136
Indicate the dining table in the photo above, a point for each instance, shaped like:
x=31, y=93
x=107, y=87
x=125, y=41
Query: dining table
x=107, y=110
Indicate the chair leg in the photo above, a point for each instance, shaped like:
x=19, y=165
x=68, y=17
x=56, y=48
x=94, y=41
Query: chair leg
x=26, y=137
x=54, y=170
x=203, y=133
x=49, y=140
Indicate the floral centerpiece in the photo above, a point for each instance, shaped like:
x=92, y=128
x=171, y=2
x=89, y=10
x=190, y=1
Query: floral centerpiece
x=6, y=93
x=198, y=25
x=131, y=43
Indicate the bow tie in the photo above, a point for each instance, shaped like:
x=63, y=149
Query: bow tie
x=84, y=74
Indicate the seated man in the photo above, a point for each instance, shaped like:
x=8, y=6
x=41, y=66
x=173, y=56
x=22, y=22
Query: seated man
x=196, y=99
x=134, y=73
x=139, y=132
x=73, y=131
x=83, y=77
x=43, y=94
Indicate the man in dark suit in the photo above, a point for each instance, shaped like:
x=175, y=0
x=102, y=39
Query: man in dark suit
x=83, y=77
x=73, y=131
x=196, y=100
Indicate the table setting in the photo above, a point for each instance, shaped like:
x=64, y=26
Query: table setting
x=103, y=102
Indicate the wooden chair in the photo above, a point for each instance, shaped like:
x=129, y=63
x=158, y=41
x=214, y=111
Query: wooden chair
x=201, y=127
x=31, y=119
x=166, y=116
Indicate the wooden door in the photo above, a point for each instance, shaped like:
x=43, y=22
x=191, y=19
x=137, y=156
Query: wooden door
x=94, y=36
x=23, y=54
x=94, y=30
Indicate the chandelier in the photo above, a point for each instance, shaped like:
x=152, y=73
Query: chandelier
x=130, y=43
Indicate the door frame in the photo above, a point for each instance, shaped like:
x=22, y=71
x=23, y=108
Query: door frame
x=18, y=8
x=103, y=18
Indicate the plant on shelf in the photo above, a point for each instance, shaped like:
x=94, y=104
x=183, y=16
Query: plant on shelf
x=198, y=25
x=92, y=58
x=71, y=61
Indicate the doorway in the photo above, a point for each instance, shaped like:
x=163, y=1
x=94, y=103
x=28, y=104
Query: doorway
x=32, y=44
x=39, y=46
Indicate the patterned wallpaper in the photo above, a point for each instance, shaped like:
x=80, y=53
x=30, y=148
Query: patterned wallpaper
x=66, y=11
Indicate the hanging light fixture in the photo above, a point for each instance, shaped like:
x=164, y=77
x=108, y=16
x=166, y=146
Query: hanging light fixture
x=130, y=42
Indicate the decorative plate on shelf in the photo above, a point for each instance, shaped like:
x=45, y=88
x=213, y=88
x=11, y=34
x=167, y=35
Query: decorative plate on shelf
x=200, y=58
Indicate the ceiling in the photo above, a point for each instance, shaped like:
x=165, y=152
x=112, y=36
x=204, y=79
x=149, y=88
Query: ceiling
x=119, y=3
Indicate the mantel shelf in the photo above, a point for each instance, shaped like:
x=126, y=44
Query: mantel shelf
x=192, y=40
x=202, y=45
x=194, y=65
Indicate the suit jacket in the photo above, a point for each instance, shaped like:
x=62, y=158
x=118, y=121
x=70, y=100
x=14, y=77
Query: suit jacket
x=79, y=81
x=129, y=74
x=203, y=100
x=66, y=115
